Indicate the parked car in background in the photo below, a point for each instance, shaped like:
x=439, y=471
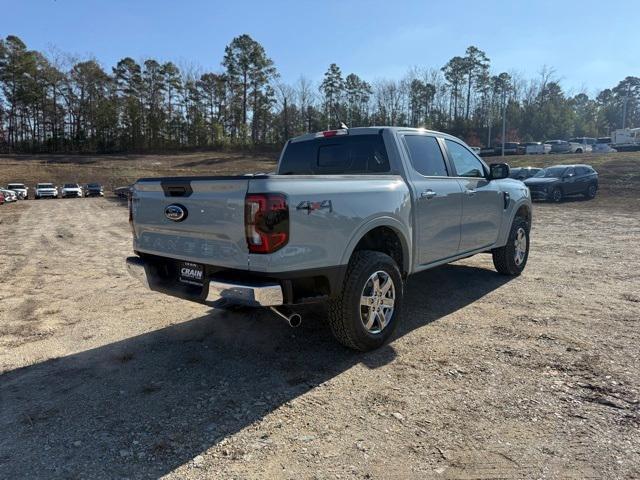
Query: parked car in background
x=510, y=148
x=603, y=145
x=20, y=189
x=476, y=150
x=9, y=195
x=536, y=148
x=583, y=144
x=487, y=152
x=123, y=192
x=522, y=173
x=557, y=182
x=45, y=190
x=93, y=190
x=71, y=190
x=562, y=146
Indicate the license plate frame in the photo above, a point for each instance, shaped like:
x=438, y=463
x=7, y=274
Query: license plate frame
x=191, y=273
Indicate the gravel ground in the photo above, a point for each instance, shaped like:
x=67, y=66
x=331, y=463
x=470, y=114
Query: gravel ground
x=488, y=377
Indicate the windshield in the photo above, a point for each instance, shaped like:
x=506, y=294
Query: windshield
x=45, y=185
x=551, y=172
x=71, y=185
x=93, y=185
x=11, y=186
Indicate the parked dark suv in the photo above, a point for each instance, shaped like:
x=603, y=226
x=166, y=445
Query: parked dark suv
x=522, y=173
x=555, y=183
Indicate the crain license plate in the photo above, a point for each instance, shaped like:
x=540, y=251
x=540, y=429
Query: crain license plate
x=191, y=273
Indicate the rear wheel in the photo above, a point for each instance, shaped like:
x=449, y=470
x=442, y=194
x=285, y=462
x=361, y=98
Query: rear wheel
x=591, y=191
x=365, y=314
x=556, y=195
x=512, y=258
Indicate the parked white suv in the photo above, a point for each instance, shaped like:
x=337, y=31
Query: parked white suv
x=46, y=190
x=583, y=144
x=71, y=190
x=22, y=191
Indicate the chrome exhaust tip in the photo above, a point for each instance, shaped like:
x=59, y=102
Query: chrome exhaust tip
x=294, y=320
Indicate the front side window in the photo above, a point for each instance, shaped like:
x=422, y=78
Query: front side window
x=426, y=156
x=465, y=162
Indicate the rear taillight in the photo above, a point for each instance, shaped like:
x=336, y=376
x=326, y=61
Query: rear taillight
x=266, y=222
x=130, y=203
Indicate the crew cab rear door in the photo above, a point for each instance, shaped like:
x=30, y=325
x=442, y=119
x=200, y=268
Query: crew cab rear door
x=197, y=219
x=438, y=198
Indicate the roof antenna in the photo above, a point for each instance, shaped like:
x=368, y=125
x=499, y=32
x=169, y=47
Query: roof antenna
x=342, y=124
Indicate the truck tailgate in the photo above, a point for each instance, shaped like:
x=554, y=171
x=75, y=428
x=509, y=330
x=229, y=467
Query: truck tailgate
x=212, y=230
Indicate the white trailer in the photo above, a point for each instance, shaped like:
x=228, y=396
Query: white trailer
x=626, y=139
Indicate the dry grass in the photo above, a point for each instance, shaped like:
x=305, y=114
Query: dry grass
x=619, y=172
x=118, y=170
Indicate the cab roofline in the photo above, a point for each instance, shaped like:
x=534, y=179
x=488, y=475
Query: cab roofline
x=369, y=131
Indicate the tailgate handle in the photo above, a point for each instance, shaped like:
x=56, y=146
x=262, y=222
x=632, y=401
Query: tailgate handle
x=177, y=189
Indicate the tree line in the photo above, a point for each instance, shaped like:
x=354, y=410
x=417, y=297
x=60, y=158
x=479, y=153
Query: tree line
x=54, y=103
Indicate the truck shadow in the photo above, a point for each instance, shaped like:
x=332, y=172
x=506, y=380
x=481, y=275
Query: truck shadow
x=145, y=405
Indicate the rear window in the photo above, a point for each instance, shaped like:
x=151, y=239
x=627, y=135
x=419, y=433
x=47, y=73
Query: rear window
x=336, y=155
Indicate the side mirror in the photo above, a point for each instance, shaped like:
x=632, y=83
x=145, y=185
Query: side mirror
x=498, y=171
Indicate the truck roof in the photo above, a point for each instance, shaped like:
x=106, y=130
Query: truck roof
x=371, y=130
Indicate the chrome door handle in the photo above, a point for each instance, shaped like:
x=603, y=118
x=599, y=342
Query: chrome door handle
x=470, y=191
x=428, y=194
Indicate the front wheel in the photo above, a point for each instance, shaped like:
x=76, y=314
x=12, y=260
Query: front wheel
x=512, y=258
x=365, y=314
x=556, y=195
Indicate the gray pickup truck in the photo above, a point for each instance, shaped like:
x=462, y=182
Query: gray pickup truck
x=348, y=215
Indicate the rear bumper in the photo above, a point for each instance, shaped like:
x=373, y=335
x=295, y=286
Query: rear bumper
x=267, y=295
x=135, y=267
x=255, y=293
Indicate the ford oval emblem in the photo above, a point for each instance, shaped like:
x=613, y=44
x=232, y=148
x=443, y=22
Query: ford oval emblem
x=176, y=213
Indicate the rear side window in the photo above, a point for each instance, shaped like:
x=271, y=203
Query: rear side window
x=426, y=156
x=336, y=155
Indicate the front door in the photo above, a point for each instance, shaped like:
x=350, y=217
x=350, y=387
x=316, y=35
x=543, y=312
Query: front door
x=570, y=181
x=482, y=202
x=438, y=199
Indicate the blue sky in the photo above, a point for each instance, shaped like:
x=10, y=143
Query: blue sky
x=590, y=44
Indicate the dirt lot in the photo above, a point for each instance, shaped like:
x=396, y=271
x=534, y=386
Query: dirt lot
x=488, y=377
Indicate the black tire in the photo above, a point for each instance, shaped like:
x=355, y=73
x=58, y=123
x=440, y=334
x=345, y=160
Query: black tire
x=578, y=150
x=346, y=312
x=591, y=191
x=504, y=258
x=556, y=195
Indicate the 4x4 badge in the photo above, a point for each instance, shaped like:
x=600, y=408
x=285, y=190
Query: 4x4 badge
x=312, y=206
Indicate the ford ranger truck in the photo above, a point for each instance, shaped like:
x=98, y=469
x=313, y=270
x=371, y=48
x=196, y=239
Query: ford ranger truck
x=346, y=218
